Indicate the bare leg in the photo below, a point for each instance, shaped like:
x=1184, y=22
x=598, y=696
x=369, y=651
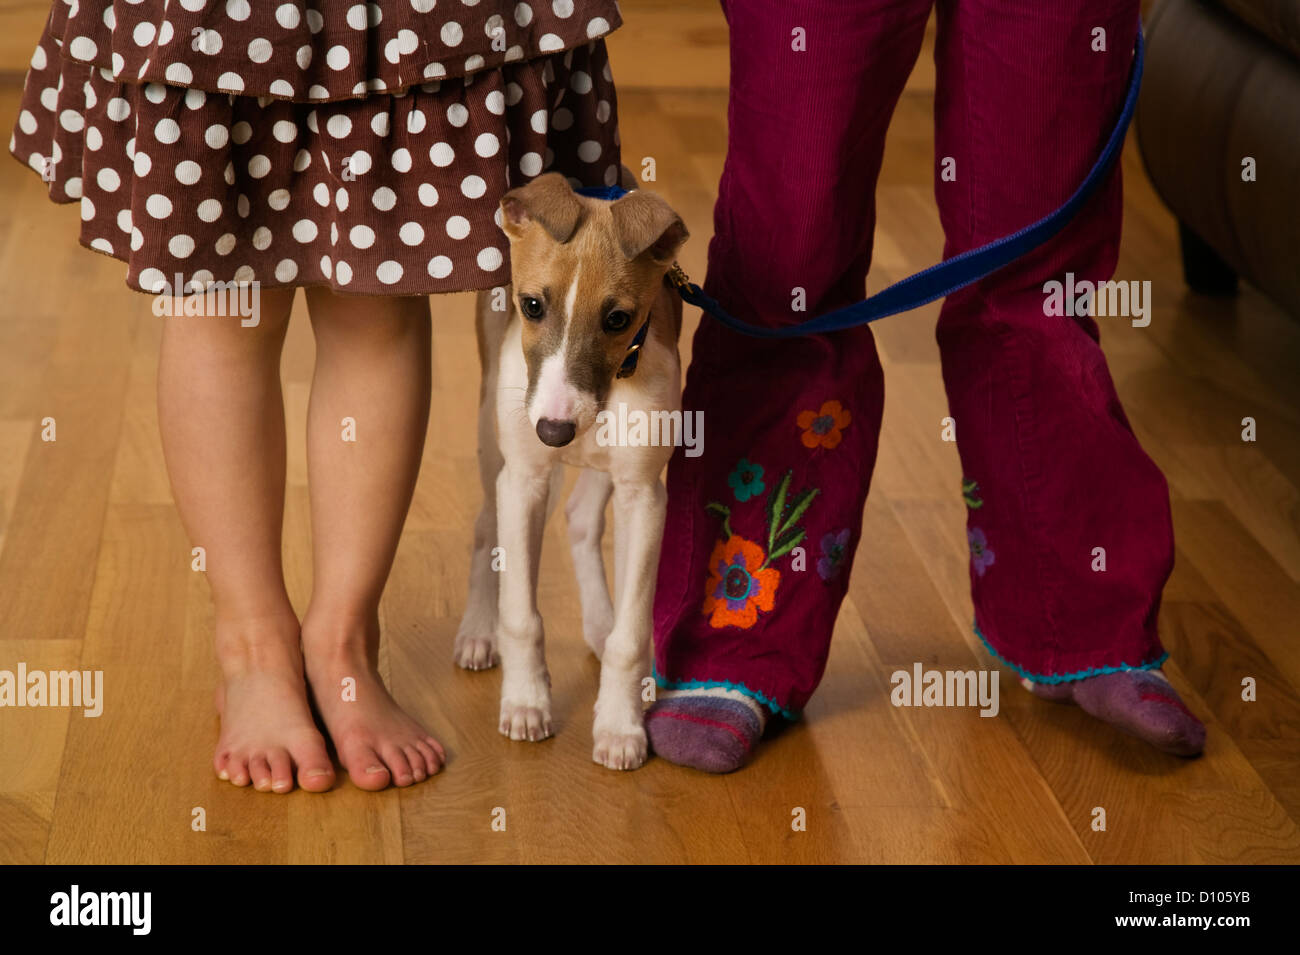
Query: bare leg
x=365, y=432
x=221, y=415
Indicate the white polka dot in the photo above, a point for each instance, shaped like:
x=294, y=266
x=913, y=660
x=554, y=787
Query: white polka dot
x=285, y=131
x=458, y=227
x=179, y=74
x=158, y=206
x=441, y=154
x=440, y=266
x=550, y=43
x=144, y=33
x=241, y=132
x=598, y=26
x=611, y=175
x=602, y=111
x=142, y=164
x=27, y=122
x=384, y=199
x=281, y=88
x=487, y=144
x=457, y=114
x=338, y=57
x=580, y=82
x=94, y=139
x=103, y=245
x=523, y=14
x=244, y=273
x=379, y=124
x=188, y=172
x=242, y=206
x=259, y=49
x=341, y=199
x=153, y=280
x=303, y=57
x=167, y=131
x=181, y=246
x=433, y=71
x=118, y=109
x=428, y=194
x=209, y=42
x=402, y=160
x=423, y=6
x=589, y=150
x=155, y=92
x=209, y=210
x=194, y=99
x=473, y=63
x=563, y=8
x=473, y=187
x=411, y=233
x=390, y=273
x=514, y=93
x=334, y=233
x=124, y=221
x=359, y=163
x=530, y=164
x=304, y=230
x=415, y=121
x=339, y=125
x=356, y=16
x=407, y=42
x=315, y=21
x=71, y=120
x=226, y=244
x=137, y=240
x=287, y=15
x=301, y=160
x=87, y=209
x=108, y=180
x=216, y=136
x=259, y=166
x=40, y=61
x=278, y=200
x=237, y=9
x=452, y=33
x=83, y=48
x=286, y=270
x=362, y=237
x=262, y=239
x=231, y=82
x=489, y=260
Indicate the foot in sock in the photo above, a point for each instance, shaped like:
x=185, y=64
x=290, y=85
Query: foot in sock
x=714, y=730
x=1140, y=702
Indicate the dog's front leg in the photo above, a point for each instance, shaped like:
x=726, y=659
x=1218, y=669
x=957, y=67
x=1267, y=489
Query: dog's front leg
x=525, y=684
x=619, y=729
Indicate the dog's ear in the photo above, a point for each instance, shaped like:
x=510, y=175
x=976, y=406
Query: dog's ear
x=646, y=224
x=549, y=201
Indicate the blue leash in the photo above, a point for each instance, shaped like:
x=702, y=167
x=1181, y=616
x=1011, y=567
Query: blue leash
x=938, y=280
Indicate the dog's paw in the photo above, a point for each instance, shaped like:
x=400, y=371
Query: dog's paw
x=620, y=749
x=475, y=653
x=519, y=722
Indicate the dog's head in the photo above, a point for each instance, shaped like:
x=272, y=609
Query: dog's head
x=586, y=273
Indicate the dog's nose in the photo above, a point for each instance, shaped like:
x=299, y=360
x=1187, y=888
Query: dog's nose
x=556, y=433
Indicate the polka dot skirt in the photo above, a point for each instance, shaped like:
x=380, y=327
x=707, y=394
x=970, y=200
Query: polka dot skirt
x=367, y=176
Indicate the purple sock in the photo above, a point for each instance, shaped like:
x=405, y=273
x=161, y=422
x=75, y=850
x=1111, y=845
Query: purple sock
x=1140, y=702
x=710, y=730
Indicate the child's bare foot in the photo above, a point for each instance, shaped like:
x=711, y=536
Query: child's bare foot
x=377, y=742
x=267, y=733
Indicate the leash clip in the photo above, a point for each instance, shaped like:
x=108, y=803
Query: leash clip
x=678, y=278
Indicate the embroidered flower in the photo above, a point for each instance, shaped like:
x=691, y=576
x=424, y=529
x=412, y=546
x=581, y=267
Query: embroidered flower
x=824, y=428
x=740, y=584
x=746, y=480
x=968, y=491
x=980, y=555
x=834, y=547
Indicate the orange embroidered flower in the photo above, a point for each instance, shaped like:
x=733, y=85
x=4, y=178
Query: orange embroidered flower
x=824, y=428
x=739, y=584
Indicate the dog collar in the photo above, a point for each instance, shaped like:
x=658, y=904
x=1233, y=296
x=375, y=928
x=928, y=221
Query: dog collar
x=626, y=370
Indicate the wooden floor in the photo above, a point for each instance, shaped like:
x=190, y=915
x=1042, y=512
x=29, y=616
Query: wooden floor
x=94, y=573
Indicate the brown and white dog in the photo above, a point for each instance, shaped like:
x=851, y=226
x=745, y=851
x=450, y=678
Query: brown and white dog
x=587, y=274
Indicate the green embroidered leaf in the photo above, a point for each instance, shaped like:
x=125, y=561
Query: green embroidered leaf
x=722, y=511
x=786, y=543
x=775, y=508
x=798, y=505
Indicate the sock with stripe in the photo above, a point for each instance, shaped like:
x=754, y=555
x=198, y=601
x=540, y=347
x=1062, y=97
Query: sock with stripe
x=1140, y=702
x=714, y=730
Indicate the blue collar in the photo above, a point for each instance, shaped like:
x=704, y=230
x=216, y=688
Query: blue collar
x=626, y=370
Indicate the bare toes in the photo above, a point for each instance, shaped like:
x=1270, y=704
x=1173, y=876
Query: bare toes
x=431, y=761
x=397, y=764
x=237, y=769
x=259, y=769
x=365, y=768
x=415, y=759
x=281, y=770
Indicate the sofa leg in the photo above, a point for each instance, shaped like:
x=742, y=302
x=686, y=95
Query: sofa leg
x=1203, y=269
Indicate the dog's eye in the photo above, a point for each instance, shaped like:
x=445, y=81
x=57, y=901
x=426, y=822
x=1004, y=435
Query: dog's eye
x=617, y=321
x=532, y=308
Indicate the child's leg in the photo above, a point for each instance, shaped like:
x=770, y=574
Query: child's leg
x=743, y=622
x=1069, y=521
x=365, y=432
x=222, y=421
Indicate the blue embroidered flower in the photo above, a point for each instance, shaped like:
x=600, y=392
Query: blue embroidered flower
x=746, y=480
x=980, y=555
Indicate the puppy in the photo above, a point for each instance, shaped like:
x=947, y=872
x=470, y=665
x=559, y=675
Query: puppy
x=592, y=325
